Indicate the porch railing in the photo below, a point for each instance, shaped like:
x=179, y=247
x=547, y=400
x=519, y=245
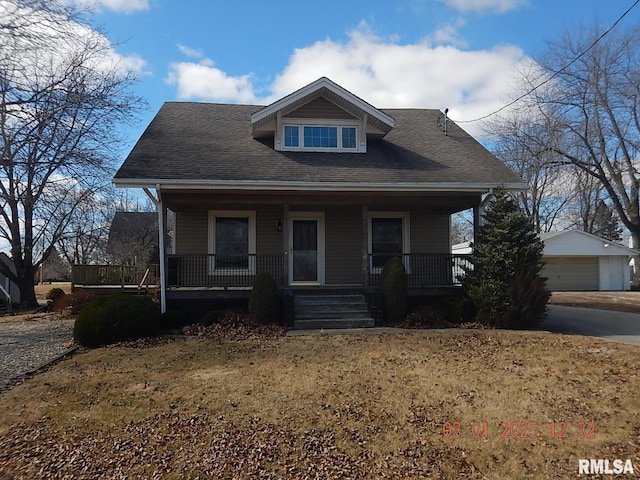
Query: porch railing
x=113, y=275
x=239, y=271
x=423, y=270
x=223, y=271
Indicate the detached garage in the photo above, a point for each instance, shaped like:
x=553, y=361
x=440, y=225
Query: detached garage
x=577, y=260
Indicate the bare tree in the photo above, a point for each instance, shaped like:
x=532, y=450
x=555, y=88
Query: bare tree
x=516, y=141
x=62, y=100
x=594, y=102
x=85, y=238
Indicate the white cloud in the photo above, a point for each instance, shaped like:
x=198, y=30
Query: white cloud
x=498, y=6
x=381, y=71
x=205, y=82
x=190, y=52
x=124, y=6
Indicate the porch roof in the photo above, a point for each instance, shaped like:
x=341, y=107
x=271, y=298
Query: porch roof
x=210, y=146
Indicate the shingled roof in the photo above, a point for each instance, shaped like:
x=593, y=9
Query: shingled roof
x=203, y=145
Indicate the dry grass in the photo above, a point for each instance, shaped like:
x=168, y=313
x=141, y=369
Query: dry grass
x=344, y=406
x=618, y=301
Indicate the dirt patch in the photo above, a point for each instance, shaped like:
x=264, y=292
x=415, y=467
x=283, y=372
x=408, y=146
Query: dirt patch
x=446, y=404
x=618, y=301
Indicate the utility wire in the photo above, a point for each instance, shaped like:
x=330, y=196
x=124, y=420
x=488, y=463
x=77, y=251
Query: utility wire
x=593, y=44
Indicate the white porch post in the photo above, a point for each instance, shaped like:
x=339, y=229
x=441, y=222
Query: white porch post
x=162, y=226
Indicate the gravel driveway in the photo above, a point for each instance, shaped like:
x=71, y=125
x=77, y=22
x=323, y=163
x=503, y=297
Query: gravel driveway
x=26, y=345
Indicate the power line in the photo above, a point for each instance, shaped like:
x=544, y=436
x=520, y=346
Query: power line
x=593, y=44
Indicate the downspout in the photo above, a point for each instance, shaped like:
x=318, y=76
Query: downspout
x=157, y=201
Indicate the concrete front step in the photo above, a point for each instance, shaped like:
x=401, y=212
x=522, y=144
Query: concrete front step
x=326, y=324
x=332, y=313
x=329, y=299
x=328, y=311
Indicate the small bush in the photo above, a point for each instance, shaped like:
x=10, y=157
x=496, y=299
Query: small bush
x=116, y=318
x=55, y=294
x=264, y=301
x=394, y=286
x=172, y=319
x=209, y=318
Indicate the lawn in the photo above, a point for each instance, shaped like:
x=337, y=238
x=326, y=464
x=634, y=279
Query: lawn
x=433, y=404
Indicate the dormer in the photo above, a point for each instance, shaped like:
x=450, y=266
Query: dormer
x=321, y=117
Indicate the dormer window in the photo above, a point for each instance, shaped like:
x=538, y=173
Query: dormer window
x=321, y=117
x=320, y=137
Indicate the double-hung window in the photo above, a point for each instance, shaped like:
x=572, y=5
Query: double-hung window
x=388, y=238
x=320, y=137
x=232, y=241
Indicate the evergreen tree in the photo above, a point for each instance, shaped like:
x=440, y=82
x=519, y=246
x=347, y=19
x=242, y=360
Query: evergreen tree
x=503, y=281
x=606, y=223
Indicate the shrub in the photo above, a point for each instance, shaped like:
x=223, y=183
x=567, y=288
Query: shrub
x=55, y=294
x=209, y=318
x=172, y=319
x=393, y=284
x=264, y=301
x=116, y=318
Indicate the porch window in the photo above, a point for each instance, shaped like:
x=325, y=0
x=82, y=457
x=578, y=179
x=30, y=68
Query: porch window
x=231, y=241
x=388, y=238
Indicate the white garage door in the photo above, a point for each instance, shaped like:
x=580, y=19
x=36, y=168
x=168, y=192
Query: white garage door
x=571, y=273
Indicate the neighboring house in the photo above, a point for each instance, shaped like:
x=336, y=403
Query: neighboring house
x=579, y=261
x=133, y=238
x=319, y=188
x=9, y=286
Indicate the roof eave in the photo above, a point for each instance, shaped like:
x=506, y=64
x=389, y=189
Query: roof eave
x=249, y=185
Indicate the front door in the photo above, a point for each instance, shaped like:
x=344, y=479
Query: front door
x=306, y=261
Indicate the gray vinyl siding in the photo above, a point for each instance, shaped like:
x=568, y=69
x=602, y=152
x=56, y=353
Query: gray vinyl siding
x=343, y=246
x=192, y=232
x=268, y=237
x=429, y=232
x=192, y=229
x=321, y=109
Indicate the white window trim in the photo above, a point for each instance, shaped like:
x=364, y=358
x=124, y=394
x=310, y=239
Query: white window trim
x=251, y=216
x=309, y=122
x=406, y=232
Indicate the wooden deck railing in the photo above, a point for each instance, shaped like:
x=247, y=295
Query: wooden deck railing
x=114, y=275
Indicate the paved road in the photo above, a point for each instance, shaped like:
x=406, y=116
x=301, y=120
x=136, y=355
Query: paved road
x=617, y=326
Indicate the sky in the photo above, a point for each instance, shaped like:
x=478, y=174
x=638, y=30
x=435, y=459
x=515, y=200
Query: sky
x=464, y=55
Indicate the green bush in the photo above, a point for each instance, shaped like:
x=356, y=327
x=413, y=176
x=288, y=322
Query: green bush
x=209, y=318
x=55, y=294
x=112, y=319
x=264, y=301
x=172, y=319
x=394, y=286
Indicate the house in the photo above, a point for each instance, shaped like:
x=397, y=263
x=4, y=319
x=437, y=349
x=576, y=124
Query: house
x=9, y=287
x=579, y=261
x=319, y=188
x=133, y=238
